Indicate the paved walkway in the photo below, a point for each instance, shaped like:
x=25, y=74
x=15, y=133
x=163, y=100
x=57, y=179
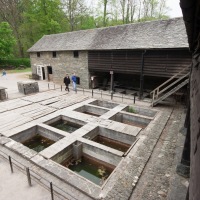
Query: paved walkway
x=14, y=186
x=10, y=82
x=158, y=181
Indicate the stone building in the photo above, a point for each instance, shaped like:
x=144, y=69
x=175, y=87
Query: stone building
x=134, y=55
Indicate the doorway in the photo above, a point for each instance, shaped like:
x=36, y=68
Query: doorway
x=43, y=74
x=50, y=73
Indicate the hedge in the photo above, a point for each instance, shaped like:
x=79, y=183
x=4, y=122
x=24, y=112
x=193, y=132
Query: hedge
x=18, y=63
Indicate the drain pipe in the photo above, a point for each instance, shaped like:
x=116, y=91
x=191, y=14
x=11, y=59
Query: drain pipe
x=142, y=76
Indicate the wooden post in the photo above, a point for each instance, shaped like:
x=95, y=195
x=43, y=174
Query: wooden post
x=51, y=188
x=28, y=176
x=111, y=81
x=11, y=167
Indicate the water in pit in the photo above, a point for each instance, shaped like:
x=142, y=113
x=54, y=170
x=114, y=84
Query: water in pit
x=90, y=168
x=140, y=125
x=38, y=143
x=89, y=113
x=111, y=143
x=66, y=126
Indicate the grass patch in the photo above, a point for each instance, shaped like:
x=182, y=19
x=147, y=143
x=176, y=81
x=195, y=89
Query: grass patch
x=131, y=110
x=18, y=70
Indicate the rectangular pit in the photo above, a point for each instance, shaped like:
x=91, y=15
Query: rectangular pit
x=37, y=138
x=81, y=158
x=140, y=111
x=90, y=110
x=131, y=119
x=104, y=104
x=65, y=123
x=116, y=140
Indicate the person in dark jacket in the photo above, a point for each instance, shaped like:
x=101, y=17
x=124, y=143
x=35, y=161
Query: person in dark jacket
x=67, y=82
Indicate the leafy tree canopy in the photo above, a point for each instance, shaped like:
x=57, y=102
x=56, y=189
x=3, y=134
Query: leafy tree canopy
x=7, y=41
x=32, y=19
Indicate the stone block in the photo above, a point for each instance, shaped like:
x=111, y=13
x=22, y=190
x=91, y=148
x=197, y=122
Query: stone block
x=28, y=87
x=3, y=93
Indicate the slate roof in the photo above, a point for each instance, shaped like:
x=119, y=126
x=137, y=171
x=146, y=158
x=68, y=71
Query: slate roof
x=147, y=35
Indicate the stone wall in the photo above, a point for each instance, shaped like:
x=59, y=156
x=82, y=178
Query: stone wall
x=62, y=64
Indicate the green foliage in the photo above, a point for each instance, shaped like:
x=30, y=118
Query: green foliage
x=7, y=41
x=19, y=63
x=87, y=22
x=41, y=17
x=30, y=20
x=131, y=110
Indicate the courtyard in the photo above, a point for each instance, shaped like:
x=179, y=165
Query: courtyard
x=135, y=147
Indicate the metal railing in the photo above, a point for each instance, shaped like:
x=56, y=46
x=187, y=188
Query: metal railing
x=53, y=188
x=94, y=93
x=99, y=94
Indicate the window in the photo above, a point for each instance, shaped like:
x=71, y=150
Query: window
x=38, y=54
x=54, y=54
x=76, y=54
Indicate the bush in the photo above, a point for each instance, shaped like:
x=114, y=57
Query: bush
x=131, y=110
x=18, y=63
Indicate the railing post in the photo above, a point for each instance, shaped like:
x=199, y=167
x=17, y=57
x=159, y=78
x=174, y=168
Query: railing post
x=83, y=90
x=28, y=176
x=134, y=99
x=11, y=167
x=51, y=188
x=111, y=95
x=48, y=85
x=92, y=92
x=61, y=88
x=157, y=93
x=153, y=96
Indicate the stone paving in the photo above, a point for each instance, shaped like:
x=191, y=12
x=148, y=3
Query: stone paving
x=159, y=179
x=146, y=171
x=9, y=183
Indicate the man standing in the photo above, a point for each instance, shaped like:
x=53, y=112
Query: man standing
x=67, y=82
x=74, y=82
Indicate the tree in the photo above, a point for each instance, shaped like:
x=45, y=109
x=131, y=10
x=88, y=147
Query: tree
x=153, y=9
x=105, y=2
x=7, y=41
x=10, y=12
x=74, y=11
x=40, y=17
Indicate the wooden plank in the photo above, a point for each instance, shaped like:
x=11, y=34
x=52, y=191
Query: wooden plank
x=43, y=96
